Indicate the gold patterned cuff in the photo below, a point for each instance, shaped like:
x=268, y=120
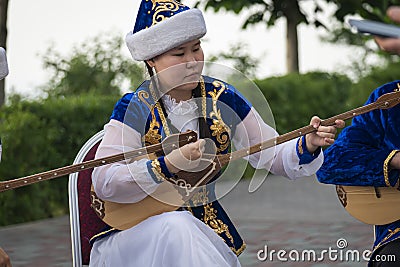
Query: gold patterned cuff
x=156, y=168
x=386, y=166
x=300, y=146
x=239, y=250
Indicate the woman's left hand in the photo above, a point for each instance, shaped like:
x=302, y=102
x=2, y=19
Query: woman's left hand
x=325, y=135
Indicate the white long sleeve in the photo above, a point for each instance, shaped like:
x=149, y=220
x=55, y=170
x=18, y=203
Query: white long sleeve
x=280, y=160
x=128, y=182
x=121, y=182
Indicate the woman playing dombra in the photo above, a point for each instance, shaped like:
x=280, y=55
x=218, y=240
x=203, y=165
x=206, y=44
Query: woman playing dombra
x=167, y=37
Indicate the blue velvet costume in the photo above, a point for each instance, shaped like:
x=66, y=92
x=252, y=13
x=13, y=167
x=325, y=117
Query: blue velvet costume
x=139, y=111
x=362, y=152
x=222, y=106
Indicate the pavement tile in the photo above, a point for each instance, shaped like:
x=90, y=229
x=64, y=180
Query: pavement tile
x=290, y=225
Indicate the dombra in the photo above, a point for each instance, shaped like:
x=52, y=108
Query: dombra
x=173, y=193
x=170, y=143
x=371, y=205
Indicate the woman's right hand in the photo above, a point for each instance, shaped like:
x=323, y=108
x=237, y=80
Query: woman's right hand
x=185, y=158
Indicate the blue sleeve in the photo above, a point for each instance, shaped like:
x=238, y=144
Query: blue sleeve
x=132, y=112
x=158, y=170
x=302, y=152
x=234, y=108
x=360, y=153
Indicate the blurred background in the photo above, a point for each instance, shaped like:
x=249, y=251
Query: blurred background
x=69, y=65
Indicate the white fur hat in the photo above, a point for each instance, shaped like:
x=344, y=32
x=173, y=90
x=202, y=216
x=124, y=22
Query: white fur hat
x=162, y=25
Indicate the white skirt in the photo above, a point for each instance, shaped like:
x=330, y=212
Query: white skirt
x=170, y=239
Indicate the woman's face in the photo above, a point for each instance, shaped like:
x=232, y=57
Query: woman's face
x=180, y=68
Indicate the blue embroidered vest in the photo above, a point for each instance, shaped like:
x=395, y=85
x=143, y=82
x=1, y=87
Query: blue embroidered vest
x=223, y=107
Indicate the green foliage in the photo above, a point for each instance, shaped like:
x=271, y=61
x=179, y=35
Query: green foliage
x=47, y=133
x=376, y=77
x=41, y=135
x=338, y=32
x=96, y=66
x=368, y=9
x=241, y=59
x=267, y=12
x=371, y=10
x=295, y=98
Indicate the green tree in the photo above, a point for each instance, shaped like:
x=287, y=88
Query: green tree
x=371, y=10
x=295, y=98
x=96, y=66
x=378, y=76
x=268, y=12
x=43, y=135
x=241, y=59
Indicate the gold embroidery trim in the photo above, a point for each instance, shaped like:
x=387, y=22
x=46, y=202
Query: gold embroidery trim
x=391, y=233
x=160, y=111
x=163, y=6
x=219, y=129
x=210, y=214
x=163, y=120
x=102, y=233
x=152, y=136
x=203, y=97
x=239, y=250
x=200, y=198
x=300, y=146
x=189, y=209
x=157, y=170
x=210, y=218
x=386, y=166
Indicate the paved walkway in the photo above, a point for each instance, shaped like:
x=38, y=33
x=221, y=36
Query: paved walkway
x=298, y=217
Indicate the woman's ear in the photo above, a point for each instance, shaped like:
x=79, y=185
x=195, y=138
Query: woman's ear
x=150, y=62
